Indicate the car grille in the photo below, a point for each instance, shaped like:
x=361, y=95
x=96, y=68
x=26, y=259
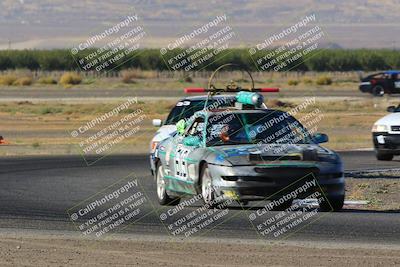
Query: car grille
x=281, y=176
x=262, y=179
x=263, y=158
x=396, y=128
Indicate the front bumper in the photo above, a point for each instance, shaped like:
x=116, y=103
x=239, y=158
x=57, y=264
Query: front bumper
x=272, y=182
x=386, y=142
x=152, y=164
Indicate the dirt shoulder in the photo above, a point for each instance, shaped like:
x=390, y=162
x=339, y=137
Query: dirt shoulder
x=381, y=193
x=59, y=250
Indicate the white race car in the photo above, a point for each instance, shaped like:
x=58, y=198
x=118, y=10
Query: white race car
x=186, y=107
x=386, y=134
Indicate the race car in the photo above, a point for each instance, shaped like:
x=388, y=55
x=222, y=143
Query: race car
x=228, y=153
x=185, y=108
x=381, y=83
x=386, y=134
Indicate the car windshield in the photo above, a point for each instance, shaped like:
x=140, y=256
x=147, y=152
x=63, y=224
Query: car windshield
x=255, y=128
x=186, y=108
x=396, y=109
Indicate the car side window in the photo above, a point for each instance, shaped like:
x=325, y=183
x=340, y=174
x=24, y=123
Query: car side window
x=196, y=129
x=378, y=76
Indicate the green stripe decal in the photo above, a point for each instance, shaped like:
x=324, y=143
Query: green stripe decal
x=181, y=190
x=178, y=179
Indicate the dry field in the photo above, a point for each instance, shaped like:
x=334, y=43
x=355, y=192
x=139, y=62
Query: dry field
x=45, y=128
x=137, y=79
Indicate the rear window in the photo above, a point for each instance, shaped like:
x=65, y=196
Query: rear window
x=377, y=76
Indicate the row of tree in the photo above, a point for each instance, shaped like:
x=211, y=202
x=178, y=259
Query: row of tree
x=151, y=59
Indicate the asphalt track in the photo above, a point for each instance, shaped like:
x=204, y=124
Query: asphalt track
x=36, y=192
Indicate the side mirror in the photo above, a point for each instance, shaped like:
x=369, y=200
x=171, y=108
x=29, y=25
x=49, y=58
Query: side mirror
x=391, y=109
x=191, y=141
x=320, y=138
x=157, y=122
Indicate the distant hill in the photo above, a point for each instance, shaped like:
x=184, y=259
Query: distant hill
x=57, y=23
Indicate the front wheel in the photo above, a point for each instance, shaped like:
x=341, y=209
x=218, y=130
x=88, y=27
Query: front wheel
x=378, y=91
x=384, y=156
x=162, y=194
x=207, y=190
x=332, y=203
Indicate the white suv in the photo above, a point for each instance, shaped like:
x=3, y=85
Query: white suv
x=386, y=134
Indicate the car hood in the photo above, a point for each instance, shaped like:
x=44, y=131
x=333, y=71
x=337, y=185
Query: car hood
x=390, y=119
x=254, y=154
x=164, y=132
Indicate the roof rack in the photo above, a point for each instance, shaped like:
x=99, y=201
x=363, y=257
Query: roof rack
x=231, y=87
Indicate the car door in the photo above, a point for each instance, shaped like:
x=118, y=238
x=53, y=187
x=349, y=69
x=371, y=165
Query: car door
x=396, y=83
x=182, y=154
x=389, y=83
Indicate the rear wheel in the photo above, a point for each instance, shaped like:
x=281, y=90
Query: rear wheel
x=378, y=91
x=162, y=194
x=383, y=156
x=332, y=203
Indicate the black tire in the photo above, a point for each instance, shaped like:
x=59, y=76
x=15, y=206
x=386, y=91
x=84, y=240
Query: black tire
x=162, y=195
x=284, y=206
x=332, y=204
x=378, y=91
x=206, y=188
x=384, y=156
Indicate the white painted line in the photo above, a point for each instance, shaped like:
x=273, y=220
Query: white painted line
x=355, y=149
x=356, y=202
x=314, y=202
x=372, y=170
x=307, y=202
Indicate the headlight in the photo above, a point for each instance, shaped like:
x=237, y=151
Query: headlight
x=328, y=157
x=380, y=128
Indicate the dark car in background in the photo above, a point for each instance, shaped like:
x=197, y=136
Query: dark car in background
x=381, y=83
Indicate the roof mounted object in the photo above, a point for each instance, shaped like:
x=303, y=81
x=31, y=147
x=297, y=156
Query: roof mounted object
x=231, y=87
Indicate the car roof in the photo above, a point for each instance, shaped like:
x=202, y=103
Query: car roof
x=242, y=111
x=204, y=97
x=392, y=72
